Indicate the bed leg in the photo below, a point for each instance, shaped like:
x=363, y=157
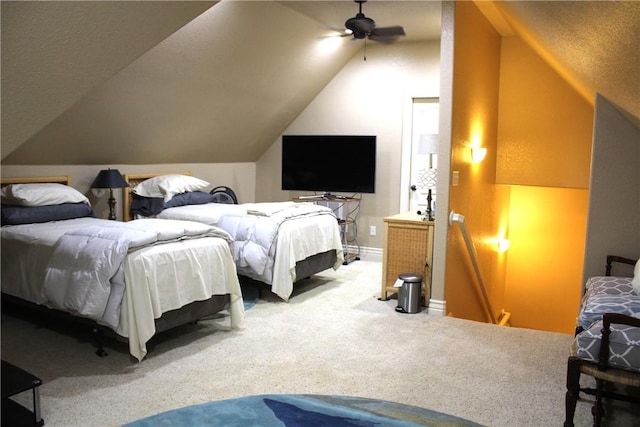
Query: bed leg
x=100, y=337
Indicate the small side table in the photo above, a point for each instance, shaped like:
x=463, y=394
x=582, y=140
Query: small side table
x=14, y=381
x=408, y=247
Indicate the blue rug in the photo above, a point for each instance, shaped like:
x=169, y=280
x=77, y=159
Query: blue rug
x=291, y=410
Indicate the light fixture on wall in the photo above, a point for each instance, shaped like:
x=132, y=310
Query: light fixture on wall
x=478, y=154
x=110, y=178
x=503, y=245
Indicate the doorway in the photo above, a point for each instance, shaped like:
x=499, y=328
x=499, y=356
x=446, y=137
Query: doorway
x=420, y=155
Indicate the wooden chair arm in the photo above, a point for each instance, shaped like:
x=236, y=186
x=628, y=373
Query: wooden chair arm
x=607, y=320
x=615, y=258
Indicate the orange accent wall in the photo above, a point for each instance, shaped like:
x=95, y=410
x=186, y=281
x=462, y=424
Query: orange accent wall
x=537, y=130
x=544, y=141
x=545, y=126
x=547, y=231
x=476, y=197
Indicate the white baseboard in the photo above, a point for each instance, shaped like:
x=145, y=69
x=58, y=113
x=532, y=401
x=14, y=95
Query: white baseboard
x=367, y=254
x=437, y=307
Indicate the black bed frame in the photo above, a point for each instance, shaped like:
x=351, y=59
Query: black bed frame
x=190, y=313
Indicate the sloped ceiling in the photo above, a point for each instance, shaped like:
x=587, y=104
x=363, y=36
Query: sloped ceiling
x=594, y=44
x=184, y=82
x=220, y=89
x=54, y=53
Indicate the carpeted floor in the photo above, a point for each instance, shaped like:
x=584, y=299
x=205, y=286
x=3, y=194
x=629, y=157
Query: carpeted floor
x=334, y=337
x=286, y=410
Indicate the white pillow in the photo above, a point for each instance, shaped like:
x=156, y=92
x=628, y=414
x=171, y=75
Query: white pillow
x=167, y=186
x=636, y=278
x=41, y=194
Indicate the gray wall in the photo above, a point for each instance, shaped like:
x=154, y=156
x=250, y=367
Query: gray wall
x=613, y=219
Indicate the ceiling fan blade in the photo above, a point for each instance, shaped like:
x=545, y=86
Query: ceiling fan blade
x=386, y=35
x=394, y=31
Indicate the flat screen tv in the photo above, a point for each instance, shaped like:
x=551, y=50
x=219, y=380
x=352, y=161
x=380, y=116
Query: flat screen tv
x=329, y=163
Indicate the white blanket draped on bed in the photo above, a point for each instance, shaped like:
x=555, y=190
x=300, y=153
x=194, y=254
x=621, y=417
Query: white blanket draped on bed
x=256, y=233
x=261, y=250
x=87, y=269
x=84, y=275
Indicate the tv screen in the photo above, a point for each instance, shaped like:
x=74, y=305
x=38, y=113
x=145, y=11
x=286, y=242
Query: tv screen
x=329, y=163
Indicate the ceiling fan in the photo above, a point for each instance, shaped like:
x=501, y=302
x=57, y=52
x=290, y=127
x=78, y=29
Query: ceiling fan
x=363, y=27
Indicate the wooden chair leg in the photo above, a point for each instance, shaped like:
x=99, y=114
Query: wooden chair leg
x=598, y=407
x=573, y=390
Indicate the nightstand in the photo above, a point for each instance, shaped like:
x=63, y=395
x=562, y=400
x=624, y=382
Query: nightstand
x=408, y=248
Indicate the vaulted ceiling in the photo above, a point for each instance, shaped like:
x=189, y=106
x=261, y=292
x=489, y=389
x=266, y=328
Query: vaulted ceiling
x=197, y=81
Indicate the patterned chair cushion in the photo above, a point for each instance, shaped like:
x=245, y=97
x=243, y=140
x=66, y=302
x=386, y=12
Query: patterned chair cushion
x=608, y=285
x=624, y=345
x=596, y=305
x=607, y=294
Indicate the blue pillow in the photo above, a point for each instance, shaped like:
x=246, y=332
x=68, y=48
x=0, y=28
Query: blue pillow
x=17, y=215
x=146, y=206
x=189, y=198
x=150, y=206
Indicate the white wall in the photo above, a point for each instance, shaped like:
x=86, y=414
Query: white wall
x=367, y=98
x=613, y=220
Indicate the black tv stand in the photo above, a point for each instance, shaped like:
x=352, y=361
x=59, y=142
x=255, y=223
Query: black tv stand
x=325, y=196
x=330, y=196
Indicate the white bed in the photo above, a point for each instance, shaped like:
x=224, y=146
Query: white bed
x=142, y=271
x=275, y=243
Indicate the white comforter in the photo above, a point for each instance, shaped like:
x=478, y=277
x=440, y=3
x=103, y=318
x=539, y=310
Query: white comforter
x=270, y=237
x=85, y=263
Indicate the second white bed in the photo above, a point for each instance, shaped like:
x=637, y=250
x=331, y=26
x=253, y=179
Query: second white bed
x=270, y=238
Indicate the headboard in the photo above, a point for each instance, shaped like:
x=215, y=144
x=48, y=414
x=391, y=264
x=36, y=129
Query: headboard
x=37, y=180
x=134, y=179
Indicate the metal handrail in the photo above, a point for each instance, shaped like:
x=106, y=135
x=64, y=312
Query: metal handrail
x=459, y=219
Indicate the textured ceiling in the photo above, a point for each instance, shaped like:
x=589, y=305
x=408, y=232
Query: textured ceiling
x=165, y=82
x=597, y=42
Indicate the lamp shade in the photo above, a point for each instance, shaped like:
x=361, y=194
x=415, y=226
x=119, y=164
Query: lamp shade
x=428, y=143
x=109, y=178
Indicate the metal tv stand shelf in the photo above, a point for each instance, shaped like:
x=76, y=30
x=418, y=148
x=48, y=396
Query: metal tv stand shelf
x=347, y=210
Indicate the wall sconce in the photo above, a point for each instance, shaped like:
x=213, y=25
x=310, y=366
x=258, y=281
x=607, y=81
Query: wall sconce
x=110, y=178
x=503, y=245
x=478, y=154
x=497, y=244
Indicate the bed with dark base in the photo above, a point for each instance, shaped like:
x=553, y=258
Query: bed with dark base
x=142, y=298
x=189, y=314
x=297, y=240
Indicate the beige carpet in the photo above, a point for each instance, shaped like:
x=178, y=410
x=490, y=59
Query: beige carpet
x=332, y=337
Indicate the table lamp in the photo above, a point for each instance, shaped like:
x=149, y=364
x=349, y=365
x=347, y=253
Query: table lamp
x=110, y=178
x=428, y=144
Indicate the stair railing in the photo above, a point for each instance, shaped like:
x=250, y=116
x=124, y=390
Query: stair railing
x=486, y=303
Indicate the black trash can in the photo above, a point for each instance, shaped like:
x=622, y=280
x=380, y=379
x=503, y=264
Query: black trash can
x=409, y=293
